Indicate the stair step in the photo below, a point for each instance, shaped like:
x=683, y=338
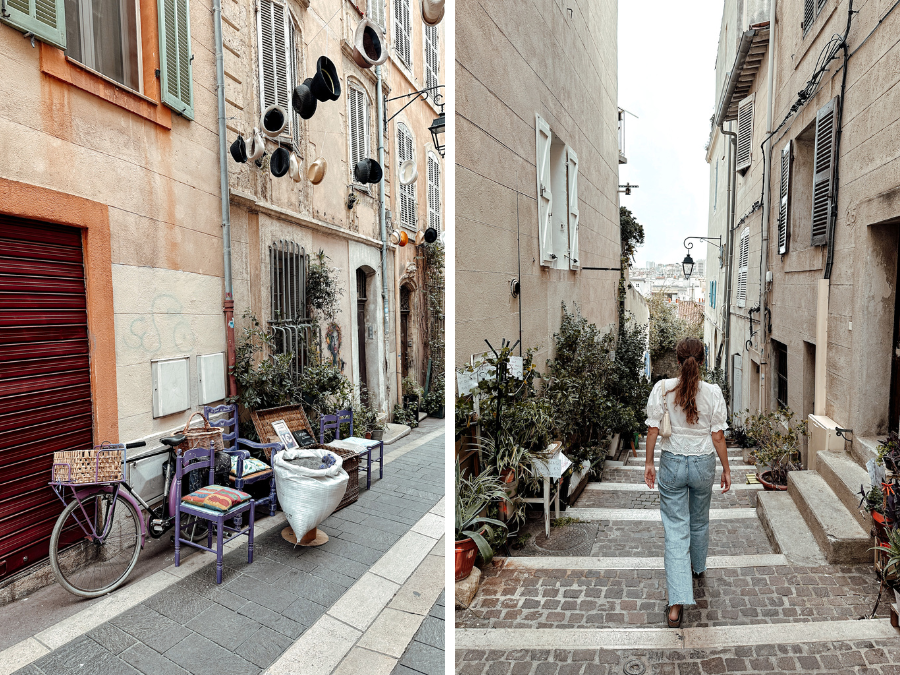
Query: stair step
x=841, y=539
x=640, y=563
x=594, y=514
x=786, y=529
x=845, y=477
x=642, y=487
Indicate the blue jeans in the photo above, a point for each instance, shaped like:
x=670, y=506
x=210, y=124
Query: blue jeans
x=685, y=490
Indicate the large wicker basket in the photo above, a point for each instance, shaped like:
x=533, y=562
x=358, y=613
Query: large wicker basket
x=206, y=436
x=296, y=420
x=88, y=466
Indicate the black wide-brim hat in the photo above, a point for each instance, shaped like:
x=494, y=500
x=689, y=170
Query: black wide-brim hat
x=431, y=235
x=368, y=171
x=239, y=150
x=303, y=100
x=280, y=162
x=326, y=85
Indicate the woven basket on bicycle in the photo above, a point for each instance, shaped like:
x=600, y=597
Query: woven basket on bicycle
x=98, y=465
x=295, y=419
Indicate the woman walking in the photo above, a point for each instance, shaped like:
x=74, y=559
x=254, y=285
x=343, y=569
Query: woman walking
x=689, y=439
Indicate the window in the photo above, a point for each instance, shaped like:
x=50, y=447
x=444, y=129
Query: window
x=358, y=103
x=434, y=192
x=557, y=181
x=403, y=32
x=432, y=60
x=779, y=352
x=716, y=191
x=823, y=172
x=407, y=192
x=104, y=35
x=289, y=325
x=811, y=9
x=784, y=190
x=744, y=133
x=277, y=57
x=743, y=260
x=375, y=10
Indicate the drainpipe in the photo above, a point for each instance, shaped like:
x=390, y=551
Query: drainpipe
x=228, y=305
x=767, y=198
x=383, y=222
x=729, y=246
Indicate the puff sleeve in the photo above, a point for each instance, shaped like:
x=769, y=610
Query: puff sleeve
x=655, y=406
x=719, y=419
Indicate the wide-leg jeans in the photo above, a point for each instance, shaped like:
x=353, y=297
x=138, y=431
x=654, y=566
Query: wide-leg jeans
x=685, y=490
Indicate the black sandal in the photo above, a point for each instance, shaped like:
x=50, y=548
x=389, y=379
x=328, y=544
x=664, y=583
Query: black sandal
x=676, y=623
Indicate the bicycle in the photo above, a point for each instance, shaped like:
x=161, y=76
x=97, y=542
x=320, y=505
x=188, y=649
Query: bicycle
x=99, y=535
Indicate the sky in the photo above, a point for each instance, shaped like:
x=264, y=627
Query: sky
x=667, y=59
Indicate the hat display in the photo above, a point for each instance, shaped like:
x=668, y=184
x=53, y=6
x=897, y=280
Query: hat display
x=368, y=44
x=326, y=85
x=368, y=171
x=280, y=162
x=404, y=239
x=420, y=238
x=294, y=169
x=257, y=145
x=432, y=12
x=239, y=150
x=394, y=237
x=303, y=100
x=274, y=121
x=316, y=171
x=408, y=172
x=431, y=235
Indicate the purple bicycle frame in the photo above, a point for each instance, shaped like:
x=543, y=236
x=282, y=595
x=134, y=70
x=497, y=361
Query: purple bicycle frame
x=83, y=490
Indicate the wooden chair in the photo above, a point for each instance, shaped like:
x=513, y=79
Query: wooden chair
x=362, y=446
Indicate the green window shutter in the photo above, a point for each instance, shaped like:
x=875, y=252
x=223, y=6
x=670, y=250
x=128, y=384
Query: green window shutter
x=175, y=72
x=45, y=19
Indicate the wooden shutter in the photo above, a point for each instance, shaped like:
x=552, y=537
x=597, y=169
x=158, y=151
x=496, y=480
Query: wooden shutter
x=176, y=71
x=375, y=11
x=743, y=260
x=432, y=63
x=737, y=370
x=544, y=194
x=785, y=198
x=45, y=19
x=745, y=133
x=823, y=171
x=407, y=192
x=402, y=32
x=358, y=104
x=809, y=13
x=275, y=76
x=434, y=192
x=572, y=185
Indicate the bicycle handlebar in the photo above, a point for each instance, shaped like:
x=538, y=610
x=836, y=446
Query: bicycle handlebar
x=136, y=444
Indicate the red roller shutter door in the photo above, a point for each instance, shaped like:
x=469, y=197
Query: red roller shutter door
x=45, y=387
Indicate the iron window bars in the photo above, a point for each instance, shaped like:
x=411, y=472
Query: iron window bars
x=289, y=322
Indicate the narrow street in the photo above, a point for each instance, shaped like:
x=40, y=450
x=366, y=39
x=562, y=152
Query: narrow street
x=594, y=603
x=373, y=595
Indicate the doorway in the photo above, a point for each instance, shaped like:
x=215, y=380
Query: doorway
x=361, y=334
x=404, y=329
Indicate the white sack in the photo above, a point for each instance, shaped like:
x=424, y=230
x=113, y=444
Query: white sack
x=308, y=496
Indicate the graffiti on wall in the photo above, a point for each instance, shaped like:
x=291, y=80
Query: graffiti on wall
x=164, y=327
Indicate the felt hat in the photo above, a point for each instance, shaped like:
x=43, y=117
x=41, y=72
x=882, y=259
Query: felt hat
x=303, y=100
x=294, y=169
x=239, y=150
x=326, y=85
x=368, y=171
x=408, y=172
x=257, y=146
x=274, y=121
x=368, y=44
x=432, y=12
x=404, y=239
x=316, y=171
x=280, y=162
x=431, y=235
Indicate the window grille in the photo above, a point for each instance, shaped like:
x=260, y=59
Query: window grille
x=289, y=322
x=434, y=192
x=407, y=192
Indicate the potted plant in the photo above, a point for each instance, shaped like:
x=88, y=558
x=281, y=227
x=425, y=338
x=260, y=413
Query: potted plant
x=777, y=451
x=889, y=453
x=378, y=431
x=889, y=553
x=472, y=497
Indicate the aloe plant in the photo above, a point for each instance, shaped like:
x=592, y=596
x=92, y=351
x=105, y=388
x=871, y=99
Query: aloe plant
x=472, y=496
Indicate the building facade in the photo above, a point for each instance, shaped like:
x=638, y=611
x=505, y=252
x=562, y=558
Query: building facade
x=111, y=222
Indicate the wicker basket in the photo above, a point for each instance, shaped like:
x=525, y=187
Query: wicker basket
x=88, y=466
x=206, y=436
x=296, y=420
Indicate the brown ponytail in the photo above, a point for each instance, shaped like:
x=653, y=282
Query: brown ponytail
x=689, y=352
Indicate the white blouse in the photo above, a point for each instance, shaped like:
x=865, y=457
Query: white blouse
x=688, y=439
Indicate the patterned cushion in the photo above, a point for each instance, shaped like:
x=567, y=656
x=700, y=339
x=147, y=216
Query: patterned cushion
x=251, y=465
x=216, y=497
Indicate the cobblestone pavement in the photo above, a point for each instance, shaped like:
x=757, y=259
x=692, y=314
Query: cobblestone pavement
x=618, y=475
x=631, y=598
x=879, y=657
x=593, y=499
x=260, y=609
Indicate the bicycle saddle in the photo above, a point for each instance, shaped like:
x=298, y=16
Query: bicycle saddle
x=172, y=441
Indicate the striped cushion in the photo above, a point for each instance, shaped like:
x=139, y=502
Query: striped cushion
x=216, y=497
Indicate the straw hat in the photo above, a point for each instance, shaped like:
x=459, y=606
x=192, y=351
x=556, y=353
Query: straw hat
x=408, y=172
x=368, y=44
x=316, y=171
x=420, y=238
x=294, y=169
x=432, y=12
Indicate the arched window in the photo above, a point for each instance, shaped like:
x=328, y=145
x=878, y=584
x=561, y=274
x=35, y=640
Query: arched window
x=407, y=192
x=434, y=192
x=403, y=32
x=358, y=105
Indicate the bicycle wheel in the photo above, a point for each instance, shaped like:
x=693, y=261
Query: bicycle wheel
x=93, y=568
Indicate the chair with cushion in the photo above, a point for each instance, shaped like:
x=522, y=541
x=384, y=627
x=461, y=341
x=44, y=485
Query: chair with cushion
x=244, y=469
x=213, y=503
x=362, y=446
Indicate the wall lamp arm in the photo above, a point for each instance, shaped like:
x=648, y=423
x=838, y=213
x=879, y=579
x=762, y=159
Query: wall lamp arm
x=711, y=240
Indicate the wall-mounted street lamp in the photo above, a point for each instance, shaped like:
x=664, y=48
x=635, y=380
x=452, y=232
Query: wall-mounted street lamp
x=627, y=188
x=437, y=126
x=688, y=263
x=437, y=130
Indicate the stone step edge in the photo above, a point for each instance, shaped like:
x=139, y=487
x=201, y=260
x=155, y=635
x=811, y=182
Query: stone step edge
x=589, y=514
x=719, y=637
x=844, y=481
x=786, y=529
x=640, y=467
x=649, y=563
x=641, y=487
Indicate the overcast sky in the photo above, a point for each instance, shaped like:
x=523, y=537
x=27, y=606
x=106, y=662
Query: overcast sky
x=667, y=58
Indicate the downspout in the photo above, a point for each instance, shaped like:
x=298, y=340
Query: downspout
x=767, y=198
x=729, y=246
x=382, y=221
x=228, y=305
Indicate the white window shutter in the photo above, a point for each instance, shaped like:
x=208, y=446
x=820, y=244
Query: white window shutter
x=572, y=185
x=432, y=62
x=358, y=116
x=375, y=11
x=434, y=193
x=403, y=32
x=544, y=195
x=785, y=198
x=823, y=171
x=744, y=133
x=275, y=60
x=809, y=13
x=743, y=261
x=407, y=192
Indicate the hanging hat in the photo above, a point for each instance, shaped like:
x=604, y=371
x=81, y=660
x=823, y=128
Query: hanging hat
x=431, y=235
x=404, y=239
x=368, y=171
x=303, y=100
x=280, y=162
x=395, y=237
x=239, y=150
x=432, y=12
x=408, y=172
x=420, y=238
x=368, y=44
x=326, y=85
x=257, y=145
x=294, y=169
x=274, y=121
x=316, y=171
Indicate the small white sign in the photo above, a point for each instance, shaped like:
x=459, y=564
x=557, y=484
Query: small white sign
x=466, y=382
x=287, y=438
x=484, y=371
x=554, y=467
x=516, y=367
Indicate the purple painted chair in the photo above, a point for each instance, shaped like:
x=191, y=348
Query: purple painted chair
x=233, y=443
x=363, y=446
x=201, y=458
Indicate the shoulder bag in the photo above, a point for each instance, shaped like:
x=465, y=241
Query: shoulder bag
x=665, y=426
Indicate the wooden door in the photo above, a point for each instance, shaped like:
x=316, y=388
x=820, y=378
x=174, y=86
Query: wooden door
x=361, y=334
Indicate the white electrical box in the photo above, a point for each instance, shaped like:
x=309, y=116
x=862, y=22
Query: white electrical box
x=211, y=376
x=822, y=438
x=146, y=477
x=171, y=385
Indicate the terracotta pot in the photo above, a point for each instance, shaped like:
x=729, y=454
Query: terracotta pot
x=466, y=552
x=369, y=435
x=766, y=484
x=878, y=517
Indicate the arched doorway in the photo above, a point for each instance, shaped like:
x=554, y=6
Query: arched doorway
x=361, y=334
x=405, y=297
